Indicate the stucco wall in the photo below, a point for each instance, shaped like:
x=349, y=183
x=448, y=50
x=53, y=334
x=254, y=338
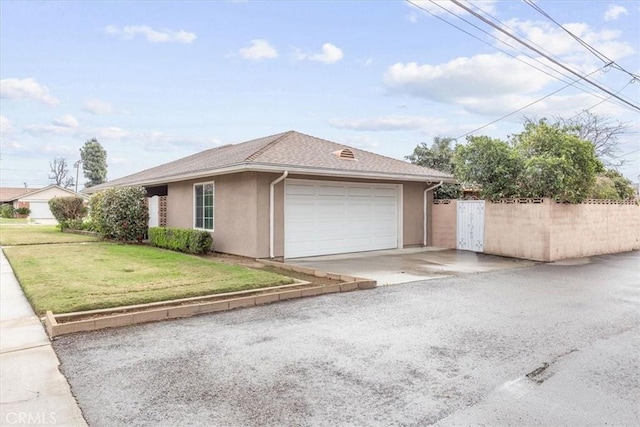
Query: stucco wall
x=241, y=224
x=443, y=225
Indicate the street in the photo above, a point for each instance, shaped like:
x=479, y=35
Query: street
x=549, y=344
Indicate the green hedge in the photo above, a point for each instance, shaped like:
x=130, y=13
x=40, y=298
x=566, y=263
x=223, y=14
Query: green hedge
x=181, y=239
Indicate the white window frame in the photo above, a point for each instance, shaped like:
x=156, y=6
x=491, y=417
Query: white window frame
x=213, y=213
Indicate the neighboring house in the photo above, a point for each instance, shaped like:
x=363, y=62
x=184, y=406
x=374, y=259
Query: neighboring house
x=293, y=195
x=36, y=199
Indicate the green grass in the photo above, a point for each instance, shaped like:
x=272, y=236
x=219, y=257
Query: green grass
x=67, y=278
x=15, y=233
x=13, y=220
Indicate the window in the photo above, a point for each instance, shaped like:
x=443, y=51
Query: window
x=203, y=205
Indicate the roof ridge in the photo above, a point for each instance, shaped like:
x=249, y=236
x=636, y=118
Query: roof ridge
x=259, y=152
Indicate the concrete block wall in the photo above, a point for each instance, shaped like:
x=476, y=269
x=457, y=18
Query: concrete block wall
x=547, y=231
x=443, y=224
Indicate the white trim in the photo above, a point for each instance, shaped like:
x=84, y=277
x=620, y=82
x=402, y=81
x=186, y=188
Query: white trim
x=193, y=196
x=400, y=199
x=257, y=167
x=272, y=212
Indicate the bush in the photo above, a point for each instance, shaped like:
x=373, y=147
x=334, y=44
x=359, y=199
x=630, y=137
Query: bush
x=181, y=239
x=123, y=214
x=66, y=209
x=23, y=211
x=7, y=211
x=96, y=215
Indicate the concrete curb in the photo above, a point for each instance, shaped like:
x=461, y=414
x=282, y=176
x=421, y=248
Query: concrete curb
x=68, y=323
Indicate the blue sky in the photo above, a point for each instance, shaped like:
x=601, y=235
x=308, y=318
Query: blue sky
x=155, y=81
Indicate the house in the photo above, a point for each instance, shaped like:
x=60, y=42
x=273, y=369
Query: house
x=293, y=195
x=36, y=199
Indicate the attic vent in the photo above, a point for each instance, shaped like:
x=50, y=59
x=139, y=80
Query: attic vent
x=345, y=153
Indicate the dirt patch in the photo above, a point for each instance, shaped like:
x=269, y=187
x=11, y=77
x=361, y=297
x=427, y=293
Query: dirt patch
x=253, y=263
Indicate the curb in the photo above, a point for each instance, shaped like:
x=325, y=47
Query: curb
x=83, y=321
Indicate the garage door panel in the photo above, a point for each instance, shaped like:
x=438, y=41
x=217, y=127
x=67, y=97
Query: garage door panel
x=323, y=218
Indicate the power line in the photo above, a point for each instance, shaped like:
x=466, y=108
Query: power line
x=601, y=56
x=538, y=51
x=525, y=107
x=498, y=40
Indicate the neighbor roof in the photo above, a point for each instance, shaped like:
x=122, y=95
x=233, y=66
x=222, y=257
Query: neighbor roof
x=292, y=151
x=9, y=194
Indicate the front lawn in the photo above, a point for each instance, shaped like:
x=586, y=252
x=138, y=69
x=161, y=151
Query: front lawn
x=66, y=278
x=15, y=233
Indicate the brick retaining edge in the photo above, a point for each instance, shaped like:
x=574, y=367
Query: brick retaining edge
x=115, y=317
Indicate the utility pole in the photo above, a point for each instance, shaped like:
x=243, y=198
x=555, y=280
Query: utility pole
x=77, y=166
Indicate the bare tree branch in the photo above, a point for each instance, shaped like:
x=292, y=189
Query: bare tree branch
x=60, y=172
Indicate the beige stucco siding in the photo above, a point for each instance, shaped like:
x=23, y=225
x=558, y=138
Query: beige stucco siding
x=235, y=225
x=241, y=224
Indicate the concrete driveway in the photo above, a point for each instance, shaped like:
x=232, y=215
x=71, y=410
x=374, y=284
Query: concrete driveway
x=409, y=265
x=542, y=345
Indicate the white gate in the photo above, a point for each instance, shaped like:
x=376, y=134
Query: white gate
x=154, y=211
x=470, y=225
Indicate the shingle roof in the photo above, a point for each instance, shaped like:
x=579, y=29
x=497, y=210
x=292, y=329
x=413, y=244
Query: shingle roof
x=288, y=150
x=9, y=194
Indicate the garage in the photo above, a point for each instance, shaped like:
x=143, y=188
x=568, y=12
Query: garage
x=328, y=217
x=40, y=211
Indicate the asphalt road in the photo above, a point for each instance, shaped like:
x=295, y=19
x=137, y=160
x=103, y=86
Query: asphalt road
x=542, y=345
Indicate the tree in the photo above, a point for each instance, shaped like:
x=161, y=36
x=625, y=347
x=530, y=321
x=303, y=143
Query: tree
x=558, y=163
x=545, y=160
x=439, y=157
x=601, y=131
x=491, y=164
x=620, y=184
x=94, y=162
x=60, y=173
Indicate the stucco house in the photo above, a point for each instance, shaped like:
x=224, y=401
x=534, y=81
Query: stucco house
x=293, y=195
x=36, y=199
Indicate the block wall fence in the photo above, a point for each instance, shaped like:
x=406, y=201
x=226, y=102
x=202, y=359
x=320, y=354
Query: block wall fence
x=544, y=230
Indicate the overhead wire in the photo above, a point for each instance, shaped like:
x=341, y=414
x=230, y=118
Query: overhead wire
x=601, y=56
x=538, y=51
x=524, y=107
x=500, y=41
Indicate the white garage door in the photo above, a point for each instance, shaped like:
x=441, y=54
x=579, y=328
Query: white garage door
x=40, y=210
x=325, y=217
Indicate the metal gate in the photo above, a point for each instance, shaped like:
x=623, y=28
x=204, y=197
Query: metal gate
x=470, y=225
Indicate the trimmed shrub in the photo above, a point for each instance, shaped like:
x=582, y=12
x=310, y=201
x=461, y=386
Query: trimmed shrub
x=23, y=211
x=96, y=215
x=66, y=209
x=7, y=211
x=181, y=239
x=123, y=214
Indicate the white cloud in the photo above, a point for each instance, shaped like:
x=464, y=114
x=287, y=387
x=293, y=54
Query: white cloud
x=66, y=121
x=614, y=12
x=5, y=125
x=461, y=78
x=154, y=36
x=20, y=89
x=441, y=7
x=97, y=106
x=556, y=41
x=260, y=49
x=330, y=54
x=388, y=123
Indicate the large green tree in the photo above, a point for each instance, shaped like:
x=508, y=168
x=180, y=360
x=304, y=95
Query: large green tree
x=94, y=162
x=557, y=163
x=545, y=160
x=491, y=164
x=438, y=156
